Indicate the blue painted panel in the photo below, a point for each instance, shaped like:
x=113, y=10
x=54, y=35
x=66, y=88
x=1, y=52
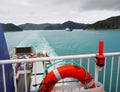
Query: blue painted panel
x=4, y=54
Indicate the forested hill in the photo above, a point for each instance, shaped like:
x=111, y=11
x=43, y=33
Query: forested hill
x=110, y=23
x=10, y=27
x=48, y=26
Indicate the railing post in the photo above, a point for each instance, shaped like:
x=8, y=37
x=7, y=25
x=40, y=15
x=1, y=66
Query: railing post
x=118, y=70
x=35, y=75
x=104, y=73
x=88, y=67
x=96, y=73
x=25, y=76
x=15, y=84
x=4, y=79
x=111, y=73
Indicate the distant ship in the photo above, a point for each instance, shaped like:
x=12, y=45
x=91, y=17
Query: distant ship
x=68, y=29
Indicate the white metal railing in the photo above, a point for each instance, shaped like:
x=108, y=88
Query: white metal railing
x=72, y=57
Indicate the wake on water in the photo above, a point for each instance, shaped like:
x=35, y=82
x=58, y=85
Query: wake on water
x=38, y=42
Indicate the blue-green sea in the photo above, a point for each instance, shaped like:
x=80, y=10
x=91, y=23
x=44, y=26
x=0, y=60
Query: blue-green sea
x=61, y=42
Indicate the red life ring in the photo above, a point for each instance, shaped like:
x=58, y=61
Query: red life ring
x=64, y=72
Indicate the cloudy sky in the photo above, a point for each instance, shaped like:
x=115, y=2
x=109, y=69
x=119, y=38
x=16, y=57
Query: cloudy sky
x=57, y=11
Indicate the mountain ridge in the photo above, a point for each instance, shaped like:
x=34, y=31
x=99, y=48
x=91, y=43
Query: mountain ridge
x=109, y=23
x=50, y=26
x=9, y=27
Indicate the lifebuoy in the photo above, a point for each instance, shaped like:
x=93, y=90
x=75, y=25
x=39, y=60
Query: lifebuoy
x=64, y=72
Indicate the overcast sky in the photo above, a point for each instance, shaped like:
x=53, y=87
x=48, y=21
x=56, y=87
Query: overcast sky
x=57, y=11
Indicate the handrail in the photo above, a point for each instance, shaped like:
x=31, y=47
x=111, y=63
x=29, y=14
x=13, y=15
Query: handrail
x=54, y=58
x=80, y=57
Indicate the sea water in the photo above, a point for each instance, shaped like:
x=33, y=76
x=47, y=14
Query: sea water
x=61, y=42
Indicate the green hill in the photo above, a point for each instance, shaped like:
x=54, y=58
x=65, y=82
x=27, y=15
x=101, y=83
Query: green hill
x=10, y=27
x=48, y=26
x=110, y=23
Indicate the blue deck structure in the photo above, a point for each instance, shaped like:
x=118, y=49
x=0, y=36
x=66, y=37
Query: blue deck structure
x=4, y=54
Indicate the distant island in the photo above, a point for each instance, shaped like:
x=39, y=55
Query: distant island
x=110, y=23
x=48, y=26
x=10, y=27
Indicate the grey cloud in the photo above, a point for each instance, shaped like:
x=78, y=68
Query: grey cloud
x=3, y=12
x=91, y=4
x=102, y=4
x=70, y=4
x=43, y=10
x=63, y=5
